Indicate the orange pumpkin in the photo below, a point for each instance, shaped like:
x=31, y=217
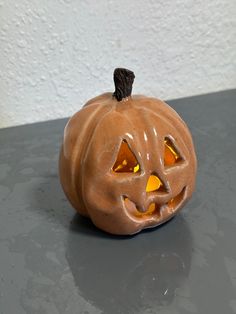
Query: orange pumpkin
x=127, y=162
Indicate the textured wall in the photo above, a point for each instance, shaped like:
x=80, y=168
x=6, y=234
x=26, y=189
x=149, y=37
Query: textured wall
x=56, y=54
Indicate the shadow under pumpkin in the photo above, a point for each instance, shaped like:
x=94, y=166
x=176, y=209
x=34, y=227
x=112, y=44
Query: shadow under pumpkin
x=129, y=273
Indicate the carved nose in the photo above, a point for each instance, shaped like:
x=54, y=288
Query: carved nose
x=154, y=183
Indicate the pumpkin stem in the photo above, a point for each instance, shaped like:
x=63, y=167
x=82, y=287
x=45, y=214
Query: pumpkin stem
x=123, y=80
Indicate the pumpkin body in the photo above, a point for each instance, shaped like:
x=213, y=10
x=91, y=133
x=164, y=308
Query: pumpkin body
x=128, y=165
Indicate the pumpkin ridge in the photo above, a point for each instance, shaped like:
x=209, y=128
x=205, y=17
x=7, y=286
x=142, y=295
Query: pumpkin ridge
x=137, y=139
x=154, y=143
x=69, y=162
x=166, y=118
x=160, y=117
x=87, y=147
x=163, y=104
x=86, y=140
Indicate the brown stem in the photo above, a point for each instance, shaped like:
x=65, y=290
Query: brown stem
x=123, y=80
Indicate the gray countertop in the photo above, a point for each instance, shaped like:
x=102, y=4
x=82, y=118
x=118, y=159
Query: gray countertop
x=53, y=261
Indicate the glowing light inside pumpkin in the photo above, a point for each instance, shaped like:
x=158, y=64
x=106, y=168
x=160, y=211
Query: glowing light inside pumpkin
x=152, y=208
x=171, y=156
x=153, y=184
x=136, y=168
x=126, y=161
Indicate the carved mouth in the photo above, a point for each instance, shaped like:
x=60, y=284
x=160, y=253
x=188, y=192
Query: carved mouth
x=155, y=210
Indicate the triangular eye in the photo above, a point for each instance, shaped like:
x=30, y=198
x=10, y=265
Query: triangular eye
x=171, y=155
x=126, y=160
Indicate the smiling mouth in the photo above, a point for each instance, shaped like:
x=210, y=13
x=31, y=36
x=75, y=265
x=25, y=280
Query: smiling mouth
x=156, y=210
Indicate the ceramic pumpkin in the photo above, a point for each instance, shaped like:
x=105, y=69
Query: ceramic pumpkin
x=127, y=162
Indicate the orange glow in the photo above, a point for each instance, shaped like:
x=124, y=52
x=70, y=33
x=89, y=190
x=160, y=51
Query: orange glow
x=153, y=184
x=170, y=155
x=126, y=161
x=152, y=209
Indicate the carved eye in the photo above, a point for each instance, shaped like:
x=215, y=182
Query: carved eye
x=171, y=155
x=126, y=160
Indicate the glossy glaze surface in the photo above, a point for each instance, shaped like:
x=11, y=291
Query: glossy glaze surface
x=119, y=202
x=54, y=262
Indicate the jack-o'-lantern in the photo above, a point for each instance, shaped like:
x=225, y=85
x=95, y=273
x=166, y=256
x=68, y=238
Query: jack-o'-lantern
x=127, y=162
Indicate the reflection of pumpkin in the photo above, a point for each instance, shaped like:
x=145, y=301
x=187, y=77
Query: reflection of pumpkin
x=131, y=275
x=127, y=162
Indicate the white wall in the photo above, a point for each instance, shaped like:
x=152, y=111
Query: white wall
x=57, y=54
